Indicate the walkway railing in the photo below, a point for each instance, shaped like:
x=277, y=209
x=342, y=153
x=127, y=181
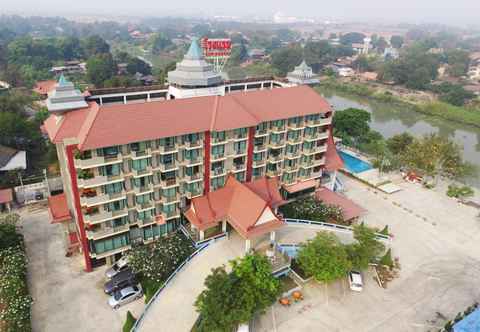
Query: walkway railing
x=202, y=247
x=201, y=242
x=328, y=226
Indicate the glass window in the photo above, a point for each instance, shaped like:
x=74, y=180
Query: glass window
x=241, y=132
x=112, y=188
x=170, y=192
x=115, y=206
x=113, y=243
x=262, y=127
x=109, y=170
x=141, y=164
x=258, y=156
x=218, y=150
x=218, y=135
x=191, y=154
x=240, y=147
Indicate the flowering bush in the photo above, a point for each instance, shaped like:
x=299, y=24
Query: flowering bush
x=155, y=262
x=310, y=209
x=14, y=298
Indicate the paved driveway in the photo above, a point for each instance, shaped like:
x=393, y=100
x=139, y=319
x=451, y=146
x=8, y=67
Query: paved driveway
x=65, y=297
x=437, y=241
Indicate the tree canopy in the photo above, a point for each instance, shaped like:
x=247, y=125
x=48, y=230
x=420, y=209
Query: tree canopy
x=100, y=68
x=352, y=37
x=366, y=248
x=396, y=41
x=285, y=59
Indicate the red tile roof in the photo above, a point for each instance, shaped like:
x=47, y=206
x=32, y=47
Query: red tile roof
x=300, y=186
x=267, y=189
x=44, y=87
x=248, y=213
x=350, y=209
x=58, y=209
x=333, y=161
x=6, y=196
x=122, y=124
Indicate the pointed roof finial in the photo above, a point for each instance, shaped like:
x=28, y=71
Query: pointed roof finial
x=62, y=81
x=194, y=52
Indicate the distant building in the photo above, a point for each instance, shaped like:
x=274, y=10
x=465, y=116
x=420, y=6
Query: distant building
x=65, y=97
x=368, y=76
x=122, y=68
x=70, y=67
x=43, y=88
x=11, y=159
x=345, y=72
x=474, y=73
x=302, y=74
x=257, y=54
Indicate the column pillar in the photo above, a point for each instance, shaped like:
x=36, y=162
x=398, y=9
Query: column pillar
x=332, y=186
x=148, y=98
x=247, y=246
x=272, y=236
x=224, y=226
x=202, y=235
x=124, y=99
x=101, y=101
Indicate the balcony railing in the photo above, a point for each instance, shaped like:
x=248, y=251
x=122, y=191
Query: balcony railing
x=193, y=145
x=263, y=132
x=166, y=149
x=239, y=167
x=275, y=159
x=144, y=189
x=99, y=180
x=319, y=122
x=278, y=129
x=218, y=171
x=169, y=183
x=294, y=140
x=277, y=144
x=107, y=231
x=193, y=193
x=193, y=177
x=141, y=154
x=259, y=148
x=142, y=172
x=296, y=126
x=104, y=215
x=97, y=161
x=276, y=172
x=102, y=198
x=169, y=199
x=191, y=162
x=167, y=167
x=171, y=214
x=218, y=156
x=258, y=163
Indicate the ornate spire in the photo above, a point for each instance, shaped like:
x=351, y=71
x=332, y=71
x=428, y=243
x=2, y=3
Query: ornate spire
x=194, y=52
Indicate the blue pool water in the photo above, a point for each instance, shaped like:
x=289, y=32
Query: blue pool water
x=354, y=164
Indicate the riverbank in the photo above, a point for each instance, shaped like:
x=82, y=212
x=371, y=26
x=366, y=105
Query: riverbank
x=438, y=109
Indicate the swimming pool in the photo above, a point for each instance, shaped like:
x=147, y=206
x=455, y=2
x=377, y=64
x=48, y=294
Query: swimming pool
x=289, y=249
x=354, y=164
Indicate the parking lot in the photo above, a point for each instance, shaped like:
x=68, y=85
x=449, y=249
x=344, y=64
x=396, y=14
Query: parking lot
x=65, y=297
x=435, y=238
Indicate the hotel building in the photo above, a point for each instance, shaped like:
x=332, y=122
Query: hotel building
x=131, y=169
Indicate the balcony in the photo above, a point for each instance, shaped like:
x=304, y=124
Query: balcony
x=144, y=206
x=192, y=162
x=101, y=199
x=218, y=172
x=141, y=154
x=193, y=177
x=146, y=221
x=275, y=159
x=239, y=137
x=193, y=145
x=107, y=231
x=167, y=167
x=261, y=133
x=167, y=149
x=239, y=167
x=318, y=162
x=319, y=122
x=148, y=188
x=277, y=144
x=99, y=180
x=166, y=183
x=169, y=199
x=142, y=172
x=259, y=163
x=278, y=129
x=171, y=214
x=296, y=126
x=307, y=163
x=97, y=161
x=273, y=173
x=292, y=155
x=191, y=193
x=104, y=216
x=291, y=168
x=294, y=140
x=323, y=135
x=239, y=152
x=218, y=156
x=259, y=148
x=215, y=141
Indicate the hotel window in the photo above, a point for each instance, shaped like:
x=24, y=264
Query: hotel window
x=192, y=187
x=218, y=182
x=293, y=134
x=170, y=192
x=169, y=209
x=240, y=147
x=117, y=222
x=167, y=159
x=218, y=136
x=143, y=199
x=191, y=171
x=113, y=243
x=307, y=146
x=167, y=141
x=109, y=170
x=138, y=146
x=258, y=156
x=191, y=138
x=112, y=188
x=312, y=117
x=295, y=120
x=292, y=149
x=218, y=150
x=288, y=177
x=262, y=127
x=115, y=206
x=141, y=164
x=170, y=175
x=257, y=172
x=191, y=154
x=145, y=215
x=141, y=182
x=240, y=132
x=278, y=123
x=259, y=141
x=272, y=167
x=290, y=163
x=240, y=176
x=217, y=166
x=108, y=152
x=310, y=131
x=276, y=138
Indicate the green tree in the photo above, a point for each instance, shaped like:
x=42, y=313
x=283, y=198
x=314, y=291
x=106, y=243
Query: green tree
x=436, y=156
x=129, y=322
x=136, y=65
x=324, y=257
x=352, y=38
x=94, y=45
x=352, y=124
x=396, y=41
x=285, y=59
x=230, y=299
x=159, y=42
x=366, y=248
x=398, y=144
x=100, y=68
x=458, y=61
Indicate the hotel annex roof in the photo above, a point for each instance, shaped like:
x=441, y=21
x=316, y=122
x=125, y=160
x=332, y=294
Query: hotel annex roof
x=103, y=126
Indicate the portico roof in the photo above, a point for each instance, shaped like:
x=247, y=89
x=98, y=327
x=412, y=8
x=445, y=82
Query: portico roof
x=246, y=211
x=58, y=209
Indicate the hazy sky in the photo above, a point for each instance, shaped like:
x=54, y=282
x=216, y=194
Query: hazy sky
x=451, y=11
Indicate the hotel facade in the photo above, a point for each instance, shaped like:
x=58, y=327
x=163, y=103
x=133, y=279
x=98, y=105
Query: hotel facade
x=131, y=169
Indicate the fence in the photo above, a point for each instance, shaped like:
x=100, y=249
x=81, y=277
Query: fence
x=202, y=247
x=201, y=242
x=328, y=226
x=37, y=191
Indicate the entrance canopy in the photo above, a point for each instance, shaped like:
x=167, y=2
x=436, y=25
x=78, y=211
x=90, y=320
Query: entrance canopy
x=247, y=211
x=58, y=209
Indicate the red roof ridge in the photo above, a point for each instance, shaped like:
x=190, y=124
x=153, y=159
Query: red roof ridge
x=89, y=121
x=244, y=107
x=215, y=111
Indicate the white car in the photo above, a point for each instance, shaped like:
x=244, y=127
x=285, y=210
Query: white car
x=355, y=281
x=125, y=295
x=120, y=265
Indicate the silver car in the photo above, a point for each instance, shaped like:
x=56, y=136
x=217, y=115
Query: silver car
x=125, y=295
x=120, y=265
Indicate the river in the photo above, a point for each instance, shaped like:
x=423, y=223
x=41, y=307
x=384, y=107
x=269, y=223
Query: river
x=391, y=120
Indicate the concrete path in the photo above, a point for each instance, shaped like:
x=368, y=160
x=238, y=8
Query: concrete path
x=174, y=309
